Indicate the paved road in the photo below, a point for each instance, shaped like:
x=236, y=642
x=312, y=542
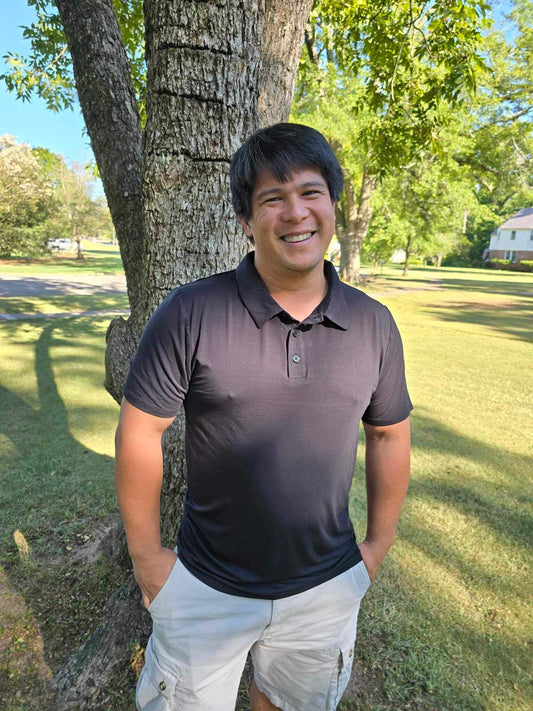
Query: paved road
x=58, y=284
x=54, y=284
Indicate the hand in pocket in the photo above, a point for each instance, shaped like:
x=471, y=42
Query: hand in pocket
x=152, y=572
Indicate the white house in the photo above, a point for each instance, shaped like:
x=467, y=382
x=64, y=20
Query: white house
x=514, y=239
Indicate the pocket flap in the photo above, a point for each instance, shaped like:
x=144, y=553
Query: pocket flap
x=159, y=677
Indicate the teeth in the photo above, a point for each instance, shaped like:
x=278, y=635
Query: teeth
x=297, y=238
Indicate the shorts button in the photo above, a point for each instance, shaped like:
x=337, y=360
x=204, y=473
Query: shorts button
x=296, y=358
x=162, y=685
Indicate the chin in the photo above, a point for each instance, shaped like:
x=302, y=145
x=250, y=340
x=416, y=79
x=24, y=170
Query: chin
x=304, y=266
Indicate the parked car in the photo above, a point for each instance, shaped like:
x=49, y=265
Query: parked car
x=59, y=244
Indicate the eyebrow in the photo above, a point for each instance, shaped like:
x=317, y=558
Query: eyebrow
x=303, y=186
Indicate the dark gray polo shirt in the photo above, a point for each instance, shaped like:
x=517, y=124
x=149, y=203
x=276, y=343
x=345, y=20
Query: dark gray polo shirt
x=272, y=411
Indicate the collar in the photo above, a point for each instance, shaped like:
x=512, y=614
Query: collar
x=262, y=307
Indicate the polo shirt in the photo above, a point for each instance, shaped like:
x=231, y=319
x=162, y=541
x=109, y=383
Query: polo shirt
x=272, y=409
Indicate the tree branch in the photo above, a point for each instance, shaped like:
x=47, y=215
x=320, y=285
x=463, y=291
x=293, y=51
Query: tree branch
x=105, y=92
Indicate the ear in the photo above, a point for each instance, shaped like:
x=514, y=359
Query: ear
x=245, y=225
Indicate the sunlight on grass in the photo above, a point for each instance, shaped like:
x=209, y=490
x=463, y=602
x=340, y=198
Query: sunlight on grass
x=451, y=606
x=59, y=303
x=58, y=425
x=98, y=259
x=446, y=623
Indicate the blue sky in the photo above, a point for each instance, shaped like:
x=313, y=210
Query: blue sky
x=61, y=132
x=31, y=122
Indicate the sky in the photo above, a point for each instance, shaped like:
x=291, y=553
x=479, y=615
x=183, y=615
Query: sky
x=61, y=132
x=31, y=122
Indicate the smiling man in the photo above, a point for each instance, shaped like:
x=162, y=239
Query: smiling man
x=275, y=363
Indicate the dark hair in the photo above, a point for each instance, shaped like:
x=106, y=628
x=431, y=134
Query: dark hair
x=281, y=149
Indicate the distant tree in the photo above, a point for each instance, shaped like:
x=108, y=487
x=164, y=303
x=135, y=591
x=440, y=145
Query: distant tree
x=77, y=208
x=412, y=60
x=26, y=201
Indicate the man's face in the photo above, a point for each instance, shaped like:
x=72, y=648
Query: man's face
x=292, y=223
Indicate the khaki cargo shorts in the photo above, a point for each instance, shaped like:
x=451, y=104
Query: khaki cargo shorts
x=301, y=646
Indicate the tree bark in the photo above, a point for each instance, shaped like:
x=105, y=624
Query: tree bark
x=357, y=222
x=215, y=73
x=107, y=100
x=281, y=42
x=407, y=255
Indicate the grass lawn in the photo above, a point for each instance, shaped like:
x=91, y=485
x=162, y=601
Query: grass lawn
x=98, y=258
x=62, y=303
x=446, y=624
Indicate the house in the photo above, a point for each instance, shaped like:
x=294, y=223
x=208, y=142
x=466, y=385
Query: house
x=514, y=239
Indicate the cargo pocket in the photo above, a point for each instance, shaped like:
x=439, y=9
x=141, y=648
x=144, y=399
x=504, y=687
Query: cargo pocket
x=156, y=683
x=342, y=677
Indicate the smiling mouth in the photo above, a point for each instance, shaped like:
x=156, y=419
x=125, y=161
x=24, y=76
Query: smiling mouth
x=297, y=238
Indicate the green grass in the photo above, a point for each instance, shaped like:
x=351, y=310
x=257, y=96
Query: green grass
x=62, y=303
x=446, y=624
x=98, y=258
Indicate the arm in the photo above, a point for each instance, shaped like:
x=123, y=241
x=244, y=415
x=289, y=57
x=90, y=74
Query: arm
x=387, y=477
x=138, y=479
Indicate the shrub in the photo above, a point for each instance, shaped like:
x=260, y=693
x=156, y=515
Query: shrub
x=527, y=265
x=500, y=263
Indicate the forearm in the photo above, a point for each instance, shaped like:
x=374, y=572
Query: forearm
x=387, y=478
x=138, y=479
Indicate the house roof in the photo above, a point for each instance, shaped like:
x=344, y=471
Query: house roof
x=522, y=220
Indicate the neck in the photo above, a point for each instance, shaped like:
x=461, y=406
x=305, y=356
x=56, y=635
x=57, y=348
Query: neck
x=298, y=293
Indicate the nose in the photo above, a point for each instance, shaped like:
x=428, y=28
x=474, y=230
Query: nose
x=295, y=210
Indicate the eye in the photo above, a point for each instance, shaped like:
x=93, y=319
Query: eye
x=272, y=199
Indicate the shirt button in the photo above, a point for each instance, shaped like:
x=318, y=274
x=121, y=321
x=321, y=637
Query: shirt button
x=162, y=685
x=296, y=358
x=296, y=333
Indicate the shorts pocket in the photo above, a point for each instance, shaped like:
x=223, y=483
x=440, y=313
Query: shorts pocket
x=157, y=682
x=157, y=598
x=340, y=680
x=361, y=577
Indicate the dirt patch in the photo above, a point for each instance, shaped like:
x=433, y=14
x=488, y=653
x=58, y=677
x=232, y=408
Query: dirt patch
x=48, y=606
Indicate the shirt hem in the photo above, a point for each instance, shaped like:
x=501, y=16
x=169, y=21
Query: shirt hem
x=242, y=591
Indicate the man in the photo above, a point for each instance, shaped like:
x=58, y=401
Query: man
x=275, y=364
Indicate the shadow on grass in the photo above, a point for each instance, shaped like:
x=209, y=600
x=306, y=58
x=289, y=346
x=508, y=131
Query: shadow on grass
x=515, y=283
x=428, y=656
x=104, y=262
x=481, y=497
x=514, y=320
x=53, y=489
x=50, y=476
x=97, y=302
x=419, y=648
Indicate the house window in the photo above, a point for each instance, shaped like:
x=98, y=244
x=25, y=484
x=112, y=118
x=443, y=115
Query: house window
x=513, y=234
x=511, y=256
x=530, y=234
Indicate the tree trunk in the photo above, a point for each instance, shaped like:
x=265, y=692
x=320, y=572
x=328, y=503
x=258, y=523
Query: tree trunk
x=107, y=100
x=407, y=255
x=358, y=220
x=439, y=260
x=208, y=89
x=79, y=253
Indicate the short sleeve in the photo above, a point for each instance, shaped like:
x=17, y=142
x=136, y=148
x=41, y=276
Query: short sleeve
x=390, y=402
x=159, y=373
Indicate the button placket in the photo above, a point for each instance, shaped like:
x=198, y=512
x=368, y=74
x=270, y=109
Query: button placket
x=296, y=363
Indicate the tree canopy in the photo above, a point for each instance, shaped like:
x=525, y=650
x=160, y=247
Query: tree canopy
x=42, y=198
